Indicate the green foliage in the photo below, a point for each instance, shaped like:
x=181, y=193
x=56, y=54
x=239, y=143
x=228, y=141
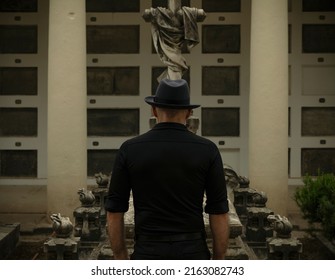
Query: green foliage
x=316, y=200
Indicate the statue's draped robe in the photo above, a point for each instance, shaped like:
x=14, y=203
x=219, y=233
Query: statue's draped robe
x=170, y=32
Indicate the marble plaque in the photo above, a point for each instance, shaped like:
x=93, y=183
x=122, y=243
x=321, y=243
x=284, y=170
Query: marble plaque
x=18, y=163
x=220, y=121
x=221, y=80
x=157, y=71
x=22, y=6
x=112, y=6
x=318, y=38
x=221, y=38
x=18, y=81
x=18, y=122
x=164, y=3
x=318, y=121
x=113, y=39
x=116, y=81
x=318, y=6
x=100, y=161
x=113, y=122
x=18, y=39
x=223, y=6
x=318, y=80
x=314, y=159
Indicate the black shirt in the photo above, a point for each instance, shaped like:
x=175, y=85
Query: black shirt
x=168, y=169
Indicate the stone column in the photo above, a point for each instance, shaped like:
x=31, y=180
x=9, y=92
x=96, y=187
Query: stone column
x=67, y=133
x=268, y=116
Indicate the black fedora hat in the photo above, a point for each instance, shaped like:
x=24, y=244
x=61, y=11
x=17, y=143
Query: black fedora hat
x=171, y=94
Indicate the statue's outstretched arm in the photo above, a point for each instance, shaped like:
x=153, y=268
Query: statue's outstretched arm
x=148, y=14
x=201, y=15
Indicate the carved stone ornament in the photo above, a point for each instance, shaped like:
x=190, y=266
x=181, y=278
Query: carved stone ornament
x=259, y=199
x=102, y=180
x=233, y=179
x=62, y=226
x=281, y=225
x=86, y=198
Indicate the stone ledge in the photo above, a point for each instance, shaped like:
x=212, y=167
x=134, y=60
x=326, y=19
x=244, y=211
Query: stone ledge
x=9, y=237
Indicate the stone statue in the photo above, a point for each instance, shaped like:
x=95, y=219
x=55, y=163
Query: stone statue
x=62, y=246
x=281, y=225
x=233, y=179
x=102, y=179
x=170, y=29
x=86, y=198
x=259, y=198
x=61, y=225
x=192, y=124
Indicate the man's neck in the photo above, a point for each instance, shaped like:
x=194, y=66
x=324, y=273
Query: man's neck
x=171, y=120
x=171, y=115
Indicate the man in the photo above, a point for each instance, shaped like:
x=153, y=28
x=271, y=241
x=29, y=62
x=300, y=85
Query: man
x=169, y=170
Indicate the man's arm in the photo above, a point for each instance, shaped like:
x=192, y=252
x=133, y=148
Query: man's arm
x=117, y=236
x=219, y=224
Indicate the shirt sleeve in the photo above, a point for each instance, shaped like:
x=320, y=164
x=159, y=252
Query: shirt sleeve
x=216, y=190
x=119, y=186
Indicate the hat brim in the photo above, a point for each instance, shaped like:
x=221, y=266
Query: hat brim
x=150, y=100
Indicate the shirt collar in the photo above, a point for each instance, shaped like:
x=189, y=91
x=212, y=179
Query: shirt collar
x=165, y=125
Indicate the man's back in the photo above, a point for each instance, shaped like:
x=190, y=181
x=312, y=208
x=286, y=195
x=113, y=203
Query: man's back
x=168, y=170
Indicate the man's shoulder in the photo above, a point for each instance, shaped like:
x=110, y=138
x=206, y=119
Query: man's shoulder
x=182, y=137
x=138, y=139
x=201, y=139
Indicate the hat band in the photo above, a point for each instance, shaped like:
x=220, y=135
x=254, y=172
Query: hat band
x=172, y=102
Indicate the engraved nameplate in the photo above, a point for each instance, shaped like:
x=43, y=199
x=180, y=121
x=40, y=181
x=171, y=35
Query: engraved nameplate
x=18, y=122
x=318, y=121
x=220, y=121
x=217, y=80
x=100, y=161
x=18, y=39
x=318, y=6
x=114, y=6
x=113, y=122
x=317, y=38
x=18, y=163
x=226, y=6
x=22, y=6
x=113, y=39
x=314, y=160
x=18, y=81
x=113, y=81
x=221, y=38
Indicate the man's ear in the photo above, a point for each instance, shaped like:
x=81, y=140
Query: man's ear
x=189, y=113
x=154, y=111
